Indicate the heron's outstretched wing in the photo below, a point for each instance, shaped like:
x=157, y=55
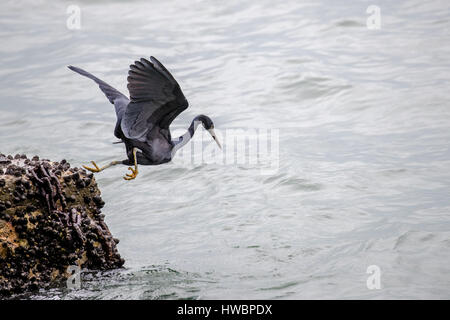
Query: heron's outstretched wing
x=119, y=100
x=156, y=99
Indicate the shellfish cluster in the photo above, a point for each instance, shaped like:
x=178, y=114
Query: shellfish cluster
x=50, y=218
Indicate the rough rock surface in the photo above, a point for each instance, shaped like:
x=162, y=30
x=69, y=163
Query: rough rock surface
x=50, y=218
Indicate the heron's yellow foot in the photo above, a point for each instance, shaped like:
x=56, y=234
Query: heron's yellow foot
x=132, y=175
x=95, y=169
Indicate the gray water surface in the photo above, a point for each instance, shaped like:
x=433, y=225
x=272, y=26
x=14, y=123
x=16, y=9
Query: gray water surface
x=363, y=118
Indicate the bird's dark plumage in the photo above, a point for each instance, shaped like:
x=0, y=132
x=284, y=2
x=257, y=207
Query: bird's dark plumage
x=156, y=99
x=143, y=120
x=119, y=100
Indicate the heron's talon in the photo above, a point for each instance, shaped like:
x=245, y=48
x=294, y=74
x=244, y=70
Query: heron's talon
x=132, y=175
x=96, y=169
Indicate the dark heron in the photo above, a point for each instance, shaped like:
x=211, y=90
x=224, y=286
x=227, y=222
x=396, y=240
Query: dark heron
x=143, y=120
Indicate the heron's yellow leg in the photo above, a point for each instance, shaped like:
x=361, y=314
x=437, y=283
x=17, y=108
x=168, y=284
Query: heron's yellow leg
x=134, y=172
x=97, y=169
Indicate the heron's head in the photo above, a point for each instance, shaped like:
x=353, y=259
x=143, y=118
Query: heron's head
x=208, y=124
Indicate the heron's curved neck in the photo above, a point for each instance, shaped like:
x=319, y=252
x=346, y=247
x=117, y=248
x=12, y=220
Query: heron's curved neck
x=185, y=138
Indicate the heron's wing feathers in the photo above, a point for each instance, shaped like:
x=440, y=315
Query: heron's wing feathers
x=119, y=100
x=156, y=99
x=135, y=124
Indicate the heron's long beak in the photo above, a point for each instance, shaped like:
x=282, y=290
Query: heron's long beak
x=213, y=134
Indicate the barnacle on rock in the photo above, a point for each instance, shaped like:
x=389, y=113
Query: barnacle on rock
x=49, y=219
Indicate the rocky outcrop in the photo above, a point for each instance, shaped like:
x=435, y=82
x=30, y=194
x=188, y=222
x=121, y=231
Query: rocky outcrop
x=50, y=219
